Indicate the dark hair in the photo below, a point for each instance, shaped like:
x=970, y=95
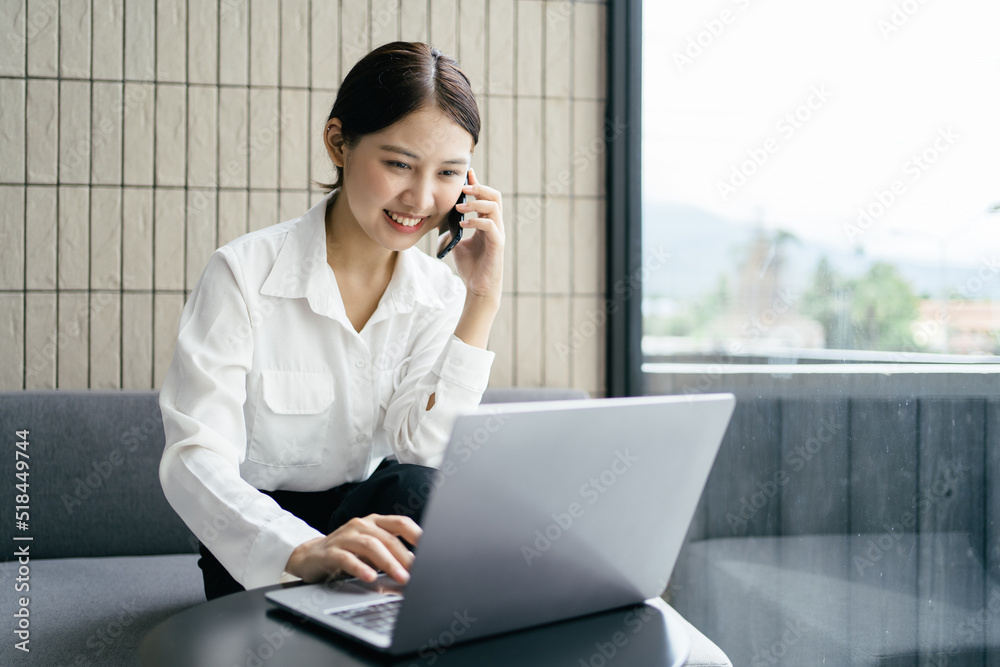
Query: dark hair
x=395, y=80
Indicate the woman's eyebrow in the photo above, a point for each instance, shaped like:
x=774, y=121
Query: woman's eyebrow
x=403, y=151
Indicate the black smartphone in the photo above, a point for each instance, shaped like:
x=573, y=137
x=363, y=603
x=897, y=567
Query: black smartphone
x=451, y=223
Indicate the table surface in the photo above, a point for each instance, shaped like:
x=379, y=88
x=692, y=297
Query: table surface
x=246, y=629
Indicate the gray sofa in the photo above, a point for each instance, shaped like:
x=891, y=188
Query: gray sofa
x=851, y=530
x=108, y=558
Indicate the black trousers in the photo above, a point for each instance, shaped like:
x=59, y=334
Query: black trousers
x=394, y=488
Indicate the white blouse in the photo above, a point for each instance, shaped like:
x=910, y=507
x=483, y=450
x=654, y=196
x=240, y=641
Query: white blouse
x=271, y=387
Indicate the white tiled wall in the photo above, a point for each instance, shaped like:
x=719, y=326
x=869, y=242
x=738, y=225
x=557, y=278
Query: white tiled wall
x=138, y=136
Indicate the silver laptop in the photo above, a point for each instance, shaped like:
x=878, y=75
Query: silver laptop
x=545, y=511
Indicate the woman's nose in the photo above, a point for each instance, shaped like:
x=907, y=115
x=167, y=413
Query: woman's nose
x=420, y=195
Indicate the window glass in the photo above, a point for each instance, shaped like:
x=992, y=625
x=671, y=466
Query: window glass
x=821, y=237
x=824, y=177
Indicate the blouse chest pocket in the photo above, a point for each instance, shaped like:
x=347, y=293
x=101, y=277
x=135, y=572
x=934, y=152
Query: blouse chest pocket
x=292, y=420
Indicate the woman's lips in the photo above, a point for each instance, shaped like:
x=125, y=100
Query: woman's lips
x=403, y=228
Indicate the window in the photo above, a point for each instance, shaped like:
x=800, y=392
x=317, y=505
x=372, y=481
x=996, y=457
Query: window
x=821, y=237
x=824, y=180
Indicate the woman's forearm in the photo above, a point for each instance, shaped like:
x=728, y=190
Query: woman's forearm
x=476, y=321
x=474, y=325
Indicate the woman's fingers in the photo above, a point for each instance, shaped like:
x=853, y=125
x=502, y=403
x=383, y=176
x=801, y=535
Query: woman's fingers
x=400, y=526
x=343, y=561
x=482, y=192
x=375, y=539
x=369, y=548
x=484, y=208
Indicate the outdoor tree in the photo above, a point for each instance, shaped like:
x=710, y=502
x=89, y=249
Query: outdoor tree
x=873, y=312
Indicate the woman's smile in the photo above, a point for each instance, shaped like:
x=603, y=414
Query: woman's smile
x=402, y=223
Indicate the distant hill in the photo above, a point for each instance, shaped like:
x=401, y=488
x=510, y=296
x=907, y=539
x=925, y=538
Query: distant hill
x=703, y=246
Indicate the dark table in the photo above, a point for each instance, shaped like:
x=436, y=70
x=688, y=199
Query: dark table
x=245, y=629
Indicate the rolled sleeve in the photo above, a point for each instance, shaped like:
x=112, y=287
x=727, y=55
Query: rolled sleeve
x=456, y=374
x=465, y=366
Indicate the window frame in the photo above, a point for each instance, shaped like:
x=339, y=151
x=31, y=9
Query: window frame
x=624, y=360
x=623, y=219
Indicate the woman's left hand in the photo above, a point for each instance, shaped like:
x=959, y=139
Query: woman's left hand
x=479, y=256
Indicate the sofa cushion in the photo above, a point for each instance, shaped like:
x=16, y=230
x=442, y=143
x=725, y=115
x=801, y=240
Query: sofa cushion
x=95, y=611
x=868, y=599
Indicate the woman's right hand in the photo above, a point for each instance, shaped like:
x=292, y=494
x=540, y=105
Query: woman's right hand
x=359, y=548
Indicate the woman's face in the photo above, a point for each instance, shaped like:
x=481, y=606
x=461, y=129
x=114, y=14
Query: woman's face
x=401, y=182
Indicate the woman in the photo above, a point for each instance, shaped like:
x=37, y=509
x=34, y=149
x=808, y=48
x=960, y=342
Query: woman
x=321, y=362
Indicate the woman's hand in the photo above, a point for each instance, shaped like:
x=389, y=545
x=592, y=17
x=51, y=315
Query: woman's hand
x=479, y=256
x=359, y=548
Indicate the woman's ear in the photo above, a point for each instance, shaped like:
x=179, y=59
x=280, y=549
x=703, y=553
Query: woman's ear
x=333, y=137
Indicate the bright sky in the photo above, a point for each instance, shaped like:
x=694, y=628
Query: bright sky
x=882, y=94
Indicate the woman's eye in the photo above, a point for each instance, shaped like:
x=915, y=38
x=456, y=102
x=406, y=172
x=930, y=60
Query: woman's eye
x=398, y=165
x=448, y=172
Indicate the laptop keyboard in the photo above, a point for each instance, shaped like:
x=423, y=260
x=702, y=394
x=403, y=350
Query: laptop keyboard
x=379, y=618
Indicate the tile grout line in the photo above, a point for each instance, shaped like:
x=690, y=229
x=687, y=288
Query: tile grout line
x=55, y=369
x=515, y=158
x=121, y=235
x=309, y=99
x=572, y=190
x=249, y=89
x=187, y=143
x=24, y=221
x=543, y=324
x=279, y=130
x=90, y=207
x=153, y=192
x=218, y=116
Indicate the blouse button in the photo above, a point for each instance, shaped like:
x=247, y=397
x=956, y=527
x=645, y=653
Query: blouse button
x=360, y=363
x=359, y=438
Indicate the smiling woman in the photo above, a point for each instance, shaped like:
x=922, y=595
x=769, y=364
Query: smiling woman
x=321, y=362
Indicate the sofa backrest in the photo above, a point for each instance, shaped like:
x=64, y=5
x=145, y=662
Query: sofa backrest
x=93, y=486
x=92, y=475
x=845, y=465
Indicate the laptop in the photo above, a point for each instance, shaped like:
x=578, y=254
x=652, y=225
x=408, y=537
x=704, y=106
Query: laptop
x=544, y=511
